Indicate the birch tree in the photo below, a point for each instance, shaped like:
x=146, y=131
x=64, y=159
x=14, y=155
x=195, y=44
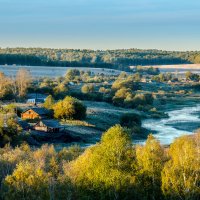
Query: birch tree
x=181, y=175
x=23, y=79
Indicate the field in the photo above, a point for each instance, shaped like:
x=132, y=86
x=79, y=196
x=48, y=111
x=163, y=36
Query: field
x=46, y=71
x=179, y=69
x=100, y=117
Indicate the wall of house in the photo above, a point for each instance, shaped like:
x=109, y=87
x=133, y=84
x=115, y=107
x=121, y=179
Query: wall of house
x=30, y=114
x=41, y=128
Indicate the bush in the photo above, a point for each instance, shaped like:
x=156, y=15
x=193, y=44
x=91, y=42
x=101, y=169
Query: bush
x=130, y=120
x=87, y=88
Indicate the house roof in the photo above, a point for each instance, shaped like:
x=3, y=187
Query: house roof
x=36, y=96
x=50, y=123
x=23, y=124
x=40, y=111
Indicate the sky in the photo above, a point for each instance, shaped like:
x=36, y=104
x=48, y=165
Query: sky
x=101, y=24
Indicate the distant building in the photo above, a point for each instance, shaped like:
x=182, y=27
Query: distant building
x=35, y=101
x=71, y=83
x=132, y=67
x=35, y=113
x=50, y=126
x=36, y=98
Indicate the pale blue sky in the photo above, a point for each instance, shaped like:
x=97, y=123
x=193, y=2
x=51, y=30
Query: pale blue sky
x=101, y=24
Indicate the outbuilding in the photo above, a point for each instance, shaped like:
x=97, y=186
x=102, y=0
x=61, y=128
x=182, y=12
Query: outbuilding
x=51, y=126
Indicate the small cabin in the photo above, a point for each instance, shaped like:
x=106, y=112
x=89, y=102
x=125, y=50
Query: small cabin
x=50, y=126
x=35, y=101
x=35, y=113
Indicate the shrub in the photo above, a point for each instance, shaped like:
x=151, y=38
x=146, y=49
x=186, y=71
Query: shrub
x=131, y=119
x=87, y=88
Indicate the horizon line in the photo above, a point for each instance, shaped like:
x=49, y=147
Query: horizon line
x=93, y=49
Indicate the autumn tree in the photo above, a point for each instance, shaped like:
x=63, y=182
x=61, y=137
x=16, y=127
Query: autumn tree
x=191, y=76
x=72, y=74
x=103, y=171
x=28, y=181
x=23, y=79
x=4, y=85
x=49, y=102
x=87, y=88
x=181, y=174
x=60, y=90
x=150, y=160
x=69, y=108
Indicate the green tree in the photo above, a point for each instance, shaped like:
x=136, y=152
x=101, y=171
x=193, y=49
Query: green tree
x=130, y=119
x=9, y=131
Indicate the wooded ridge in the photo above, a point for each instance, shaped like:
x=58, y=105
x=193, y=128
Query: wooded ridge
x=118, y=59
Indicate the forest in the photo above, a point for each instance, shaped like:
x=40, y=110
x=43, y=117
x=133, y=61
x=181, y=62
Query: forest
x=117, y=59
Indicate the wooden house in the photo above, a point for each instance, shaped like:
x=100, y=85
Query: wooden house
x=51, y=126
x=35, y=113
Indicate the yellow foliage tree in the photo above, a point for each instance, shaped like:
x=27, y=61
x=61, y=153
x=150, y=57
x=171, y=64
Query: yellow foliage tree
x=149, y=160
x=181, y=174
x=27, y=182
x=104, y=170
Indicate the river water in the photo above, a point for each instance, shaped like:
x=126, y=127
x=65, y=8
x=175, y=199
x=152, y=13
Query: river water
x=180, y=122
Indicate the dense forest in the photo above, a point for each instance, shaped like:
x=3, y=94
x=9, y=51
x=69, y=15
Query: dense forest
x=118, y=59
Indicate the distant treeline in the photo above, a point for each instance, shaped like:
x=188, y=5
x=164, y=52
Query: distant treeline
x=118, y=59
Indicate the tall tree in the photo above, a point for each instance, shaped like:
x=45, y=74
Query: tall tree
x=23, y=79
x=150, y=160
x=181, y=174
x=49, y=102
x=104, y=170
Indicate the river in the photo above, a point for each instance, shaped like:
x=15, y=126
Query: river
x=180, y=122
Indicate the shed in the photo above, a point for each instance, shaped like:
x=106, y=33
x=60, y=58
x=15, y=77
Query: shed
x=51, y=126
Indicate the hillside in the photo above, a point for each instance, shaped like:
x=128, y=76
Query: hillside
x=118, y=59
